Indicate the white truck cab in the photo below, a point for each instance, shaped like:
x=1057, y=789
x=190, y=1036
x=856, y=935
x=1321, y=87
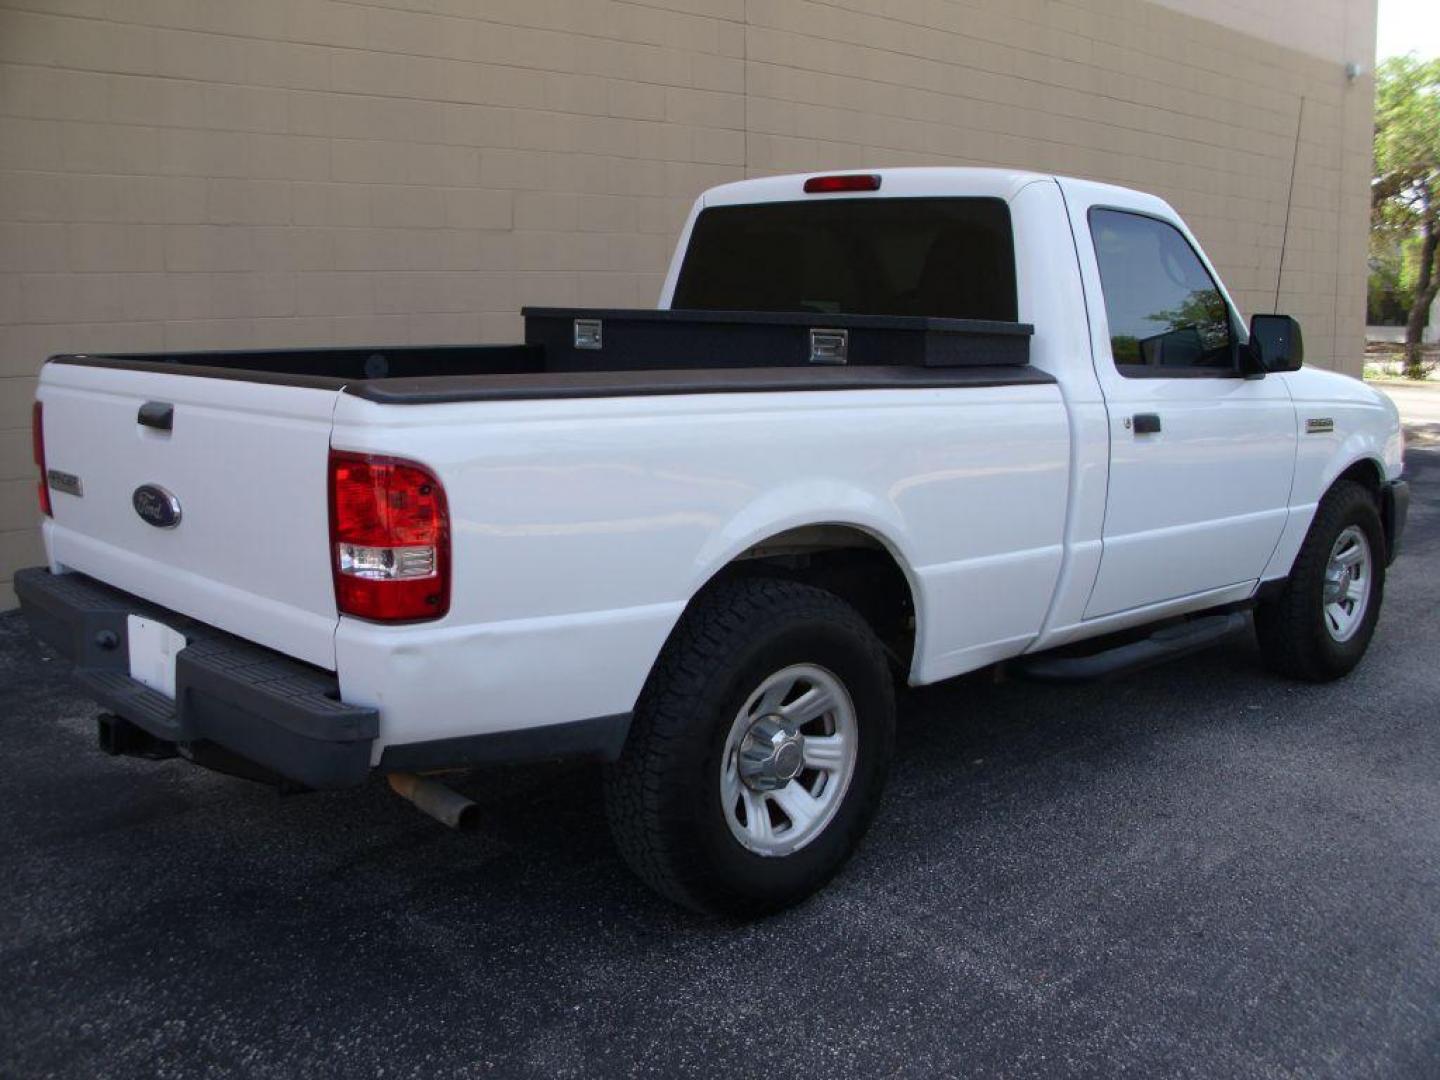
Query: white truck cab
x=897, y=424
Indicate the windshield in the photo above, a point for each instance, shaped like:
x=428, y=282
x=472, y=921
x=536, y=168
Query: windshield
x=945, y=258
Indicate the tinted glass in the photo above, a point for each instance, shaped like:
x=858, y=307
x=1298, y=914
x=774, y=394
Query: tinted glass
x=947, y=258
x=1163, y=306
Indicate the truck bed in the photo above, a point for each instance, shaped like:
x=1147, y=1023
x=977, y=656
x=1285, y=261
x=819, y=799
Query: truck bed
x=647, y=352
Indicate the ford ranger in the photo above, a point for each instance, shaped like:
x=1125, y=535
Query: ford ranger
x=900, y=424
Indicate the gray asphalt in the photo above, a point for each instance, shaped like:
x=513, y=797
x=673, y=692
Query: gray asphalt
x=1419, y=405
x=1197, y=871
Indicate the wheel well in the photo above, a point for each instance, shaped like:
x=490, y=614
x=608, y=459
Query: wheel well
x=1365, y=473
x=1369, y=475
x=849, y=562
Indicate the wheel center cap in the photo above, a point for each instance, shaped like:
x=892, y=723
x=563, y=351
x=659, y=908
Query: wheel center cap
x=770, y=755
x=788, y=758
x=1337, y=583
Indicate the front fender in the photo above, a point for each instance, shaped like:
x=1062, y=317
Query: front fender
x=1340, y=423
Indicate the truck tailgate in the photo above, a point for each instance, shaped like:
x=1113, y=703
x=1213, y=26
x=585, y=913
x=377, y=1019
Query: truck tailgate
x=246, y=465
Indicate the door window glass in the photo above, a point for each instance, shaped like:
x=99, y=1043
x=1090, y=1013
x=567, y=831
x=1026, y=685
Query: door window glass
x=1167, y=317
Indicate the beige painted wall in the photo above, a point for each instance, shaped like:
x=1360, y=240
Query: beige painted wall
x=179, y=174
x=1340, y=30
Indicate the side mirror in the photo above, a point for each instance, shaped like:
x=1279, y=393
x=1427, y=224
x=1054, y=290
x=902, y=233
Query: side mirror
x=1276, y=342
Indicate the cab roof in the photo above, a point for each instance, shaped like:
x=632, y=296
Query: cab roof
x=912, y=182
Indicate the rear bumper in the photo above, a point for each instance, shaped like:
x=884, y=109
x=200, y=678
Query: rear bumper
x=1395, y=506
x=259, y=705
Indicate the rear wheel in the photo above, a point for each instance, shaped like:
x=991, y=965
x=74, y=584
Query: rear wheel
x=758, y=750
x=1320, y=624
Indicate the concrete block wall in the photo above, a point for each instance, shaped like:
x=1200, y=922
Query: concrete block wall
x=190, y=174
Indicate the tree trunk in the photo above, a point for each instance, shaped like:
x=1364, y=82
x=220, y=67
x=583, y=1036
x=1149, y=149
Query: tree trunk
x=1426, y=289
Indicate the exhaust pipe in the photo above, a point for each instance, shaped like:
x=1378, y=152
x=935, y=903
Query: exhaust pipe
x=444, y=804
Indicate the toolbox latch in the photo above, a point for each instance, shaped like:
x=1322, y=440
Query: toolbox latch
x=587, y=333
x=829, y=346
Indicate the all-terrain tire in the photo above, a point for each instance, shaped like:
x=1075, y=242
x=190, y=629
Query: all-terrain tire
x=1295, y=638
x=663, y=797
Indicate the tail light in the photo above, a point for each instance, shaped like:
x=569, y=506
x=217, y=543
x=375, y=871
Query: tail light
x=390, y=539
x=37, y=438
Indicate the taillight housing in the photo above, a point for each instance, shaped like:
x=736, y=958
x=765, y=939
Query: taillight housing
x=389, y=539
x=37, y=439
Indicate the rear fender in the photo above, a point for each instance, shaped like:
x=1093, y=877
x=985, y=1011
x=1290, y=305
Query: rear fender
x=813, y=503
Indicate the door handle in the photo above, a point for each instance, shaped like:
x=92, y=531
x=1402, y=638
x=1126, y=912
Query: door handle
x=159, y=415
x=1146, y=423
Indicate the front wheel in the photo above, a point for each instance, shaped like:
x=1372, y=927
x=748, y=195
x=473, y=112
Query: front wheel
x=1320, y=624
x=758, y=750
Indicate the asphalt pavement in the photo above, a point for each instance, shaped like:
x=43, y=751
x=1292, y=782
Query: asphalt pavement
x=1419, y=405
x=1201, y=870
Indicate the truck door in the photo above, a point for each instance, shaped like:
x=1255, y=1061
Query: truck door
x=1201, y=458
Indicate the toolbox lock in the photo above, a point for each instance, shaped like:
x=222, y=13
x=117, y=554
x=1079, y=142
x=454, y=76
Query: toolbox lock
x=829, y=346
x=587, y=333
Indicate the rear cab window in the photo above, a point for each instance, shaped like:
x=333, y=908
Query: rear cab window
x=938, y=257
x=1167, y=316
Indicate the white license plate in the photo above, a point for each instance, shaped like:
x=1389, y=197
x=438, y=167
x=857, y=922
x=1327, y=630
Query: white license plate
x=153, y=647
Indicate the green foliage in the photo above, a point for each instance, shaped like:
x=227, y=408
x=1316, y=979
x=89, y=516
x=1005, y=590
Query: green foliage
x=1407, y=142
x=1405, y=194
x=1394, y=266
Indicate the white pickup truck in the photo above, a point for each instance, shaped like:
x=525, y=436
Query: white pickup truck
x=901, y=424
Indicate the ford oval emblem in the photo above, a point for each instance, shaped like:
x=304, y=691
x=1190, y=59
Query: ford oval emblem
x=156, y=506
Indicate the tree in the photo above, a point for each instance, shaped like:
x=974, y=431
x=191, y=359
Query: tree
x=1390, y=287
x=1405, y=194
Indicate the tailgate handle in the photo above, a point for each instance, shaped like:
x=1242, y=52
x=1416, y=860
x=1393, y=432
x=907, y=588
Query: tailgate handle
x=159, y=415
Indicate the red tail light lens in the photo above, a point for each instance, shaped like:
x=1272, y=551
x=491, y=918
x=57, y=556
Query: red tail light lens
x=37, y=438
x=390, y=539
x=825, y=185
